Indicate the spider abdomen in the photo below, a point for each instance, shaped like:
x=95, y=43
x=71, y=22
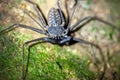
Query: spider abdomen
x=54, y=18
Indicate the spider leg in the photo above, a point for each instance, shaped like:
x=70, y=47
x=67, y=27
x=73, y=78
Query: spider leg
x=61, y=14
x=77, y=26
x=71, y=16
x=39, y=13
x=22, y=26
x=88, y=43
x=30, y=44
x=65, y=39
x=93, y=54
x=33, y=18
x=67, y=12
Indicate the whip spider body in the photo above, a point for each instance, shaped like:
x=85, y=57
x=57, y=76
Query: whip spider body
x=56, y=28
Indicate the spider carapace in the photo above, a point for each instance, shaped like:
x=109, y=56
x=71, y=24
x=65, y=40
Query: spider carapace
x=56, y=27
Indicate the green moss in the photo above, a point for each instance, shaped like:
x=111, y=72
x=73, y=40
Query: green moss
x=45, y=63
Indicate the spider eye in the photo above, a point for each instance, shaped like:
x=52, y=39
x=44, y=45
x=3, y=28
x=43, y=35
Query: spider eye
x=64, y=33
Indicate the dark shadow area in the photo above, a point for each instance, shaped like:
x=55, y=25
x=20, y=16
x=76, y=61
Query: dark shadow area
x=113, y=57
x=10, y=59
x=115, y=9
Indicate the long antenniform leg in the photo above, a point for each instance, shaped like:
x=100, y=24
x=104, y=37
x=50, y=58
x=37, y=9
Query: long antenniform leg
x=101, y=54
x=32, y=18
x=32, y=43
x=61, y=14
x=39, y=13
x=77, y=26
x=22, y=26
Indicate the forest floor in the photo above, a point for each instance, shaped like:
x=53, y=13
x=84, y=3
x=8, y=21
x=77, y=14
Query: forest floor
x=107, y=38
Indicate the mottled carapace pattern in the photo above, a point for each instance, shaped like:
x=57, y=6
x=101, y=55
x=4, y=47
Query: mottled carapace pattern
x=54, y=18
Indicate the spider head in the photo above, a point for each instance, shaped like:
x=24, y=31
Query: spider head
x=56, y=32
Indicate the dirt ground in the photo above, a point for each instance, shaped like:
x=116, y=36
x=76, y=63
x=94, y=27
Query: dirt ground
x=12, y=11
